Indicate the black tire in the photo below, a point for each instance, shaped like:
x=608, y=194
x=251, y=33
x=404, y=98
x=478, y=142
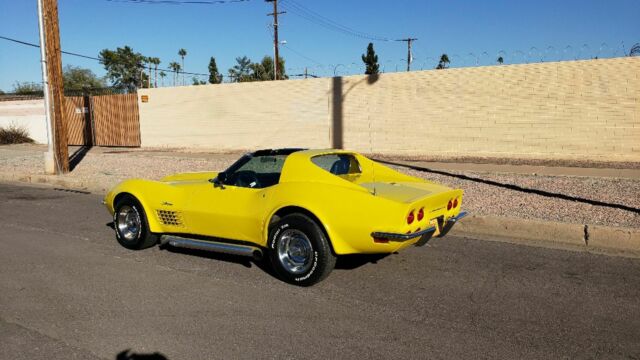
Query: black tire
x=133, y=239
x=290, y=232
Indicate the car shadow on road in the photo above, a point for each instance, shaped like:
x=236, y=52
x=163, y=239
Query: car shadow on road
x=343, y=262
x=129, y=355
x=350, y=262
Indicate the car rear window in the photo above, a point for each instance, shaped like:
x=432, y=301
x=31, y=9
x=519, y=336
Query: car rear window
x=338, y=164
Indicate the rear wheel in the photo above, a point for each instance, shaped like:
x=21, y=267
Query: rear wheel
x=299, y=250
x=131, y=225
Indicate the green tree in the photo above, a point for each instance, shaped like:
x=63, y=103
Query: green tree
x=371, y=61
x=214, y=76
x=26, y=87
x=196, y=81
x=263, y=71
x=182, y=53
x=76, y=78
x=125, y=68
x=444, y=62
x=241, y=71
x=500, y=60
x=175, y=67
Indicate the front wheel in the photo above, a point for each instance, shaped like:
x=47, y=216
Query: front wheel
x=299, y=251
x=130, y=223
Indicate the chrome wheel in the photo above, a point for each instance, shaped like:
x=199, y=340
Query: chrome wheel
x=128, y=223
x=295, y=251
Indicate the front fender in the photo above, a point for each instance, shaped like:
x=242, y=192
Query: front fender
x=152, y=195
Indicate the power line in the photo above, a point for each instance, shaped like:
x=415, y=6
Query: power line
x=178, y=2
x=327, y=23
x=92, y=57
x=286, y=46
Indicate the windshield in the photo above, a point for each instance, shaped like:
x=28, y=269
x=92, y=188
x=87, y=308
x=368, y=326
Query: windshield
x=253, y=171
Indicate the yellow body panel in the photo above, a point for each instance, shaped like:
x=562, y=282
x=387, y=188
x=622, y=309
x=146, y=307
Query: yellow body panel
x=348, y=207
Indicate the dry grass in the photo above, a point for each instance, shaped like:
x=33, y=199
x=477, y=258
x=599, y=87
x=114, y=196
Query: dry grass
x=14, y=134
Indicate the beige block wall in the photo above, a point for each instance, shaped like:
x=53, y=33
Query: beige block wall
x=579, y=109
x=237, y=116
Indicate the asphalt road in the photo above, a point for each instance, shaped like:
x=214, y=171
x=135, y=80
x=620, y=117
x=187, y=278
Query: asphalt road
x=69, y=291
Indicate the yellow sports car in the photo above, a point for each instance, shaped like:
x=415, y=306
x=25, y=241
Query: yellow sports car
x=300, y=208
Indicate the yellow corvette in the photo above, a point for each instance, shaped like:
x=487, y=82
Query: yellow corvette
x=300, y=208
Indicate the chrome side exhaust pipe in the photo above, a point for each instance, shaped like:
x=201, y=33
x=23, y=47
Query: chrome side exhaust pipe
x=214, y=246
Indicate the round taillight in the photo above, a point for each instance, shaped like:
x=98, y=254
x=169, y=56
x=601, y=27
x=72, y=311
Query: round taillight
x=410, y=218
x=449, y=205
x=455, y=203
x=420, y=214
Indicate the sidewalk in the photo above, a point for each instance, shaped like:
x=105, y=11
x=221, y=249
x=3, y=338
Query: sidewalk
x=517, y=194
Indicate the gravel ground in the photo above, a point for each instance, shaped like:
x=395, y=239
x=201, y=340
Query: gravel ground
x=484, y=199
x=516, y=161
x=106, y=167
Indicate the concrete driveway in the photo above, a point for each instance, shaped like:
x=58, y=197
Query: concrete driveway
x=69, y=291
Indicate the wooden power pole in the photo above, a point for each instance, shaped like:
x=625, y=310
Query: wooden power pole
x=409, y=56
x=276, y=62
x=52, y=78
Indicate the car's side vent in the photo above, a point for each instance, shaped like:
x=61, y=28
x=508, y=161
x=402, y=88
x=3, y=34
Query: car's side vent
x=171, y=218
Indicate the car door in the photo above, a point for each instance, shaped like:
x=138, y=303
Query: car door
x=228, y=211
x=235, y=206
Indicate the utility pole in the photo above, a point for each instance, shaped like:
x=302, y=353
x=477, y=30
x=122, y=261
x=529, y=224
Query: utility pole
x=275, y=13
x=409, y=58
x=57, y=157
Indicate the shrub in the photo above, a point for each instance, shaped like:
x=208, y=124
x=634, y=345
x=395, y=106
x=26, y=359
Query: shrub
x=14, y=134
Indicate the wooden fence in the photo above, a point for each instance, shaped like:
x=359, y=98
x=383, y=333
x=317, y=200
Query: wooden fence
x=103, y=120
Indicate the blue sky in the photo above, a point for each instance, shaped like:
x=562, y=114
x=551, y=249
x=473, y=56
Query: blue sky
x=459, y=28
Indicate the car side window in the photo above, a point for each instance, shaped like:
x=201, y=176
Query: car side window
x=257, y=172
x=338, y=164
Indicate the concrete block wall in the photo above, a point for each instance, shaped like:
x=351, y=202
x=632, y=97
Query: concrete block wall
x=28, y=114
x=583, y=109
x=236, y=116
x=563, y=110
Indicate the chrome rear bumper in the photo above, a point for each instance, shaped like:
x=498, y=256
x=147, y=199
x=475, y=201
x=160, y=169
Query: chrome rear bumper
x=425, y=235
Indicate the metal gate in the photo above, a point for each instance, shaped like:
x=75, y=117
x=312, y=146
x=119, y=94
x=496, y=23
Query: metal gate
x=103, y=120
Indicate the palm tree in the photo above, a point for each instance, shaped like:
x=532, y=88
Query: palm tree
x=149, y=62
x=162, y=76
x=500, y=60
x=182, y=53
x=176, y=69
x=155, y=61
x=444, y=61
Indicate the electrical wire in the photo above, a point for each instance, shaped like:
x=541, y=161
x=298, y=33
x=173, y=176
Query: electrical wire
x=178, y=2
x=95, y=58
x=318, y=19
x=301, y=55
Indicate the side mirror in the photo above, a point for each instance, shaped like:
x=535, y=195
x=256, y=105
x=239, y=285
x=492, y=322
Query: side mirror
x=219, y=180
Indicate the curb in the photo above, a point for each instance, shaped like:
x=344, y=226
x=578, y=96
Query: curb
x=582, y=237
x=55, y=180
x=592, y=238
